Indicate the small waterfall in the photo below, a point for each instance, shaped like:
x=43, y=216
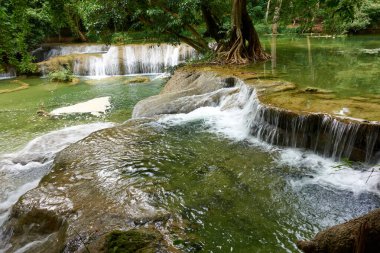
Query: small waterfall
x=122, y=60
x=321, y=133
x=8, y=75
x=75, y=49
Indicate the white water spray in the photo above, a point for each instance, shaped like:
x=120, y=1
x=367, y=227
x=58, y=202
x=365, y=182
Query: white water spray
x=22, y=171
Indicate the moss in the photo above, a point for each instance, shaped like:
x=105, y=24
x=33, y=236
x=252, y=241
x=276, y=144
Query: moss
x=138, y=79
x=135, y=240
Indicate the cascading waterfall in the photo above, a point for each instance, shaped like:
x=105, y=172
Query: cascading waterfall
x=243, y=115
x=306, y=140
x=124, y=60
x=75, y=49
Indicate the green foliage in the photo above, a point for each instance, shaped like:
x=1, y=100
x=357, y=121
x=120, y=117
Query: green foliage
x=263, y=28
x=63, y=75
x=24, y=24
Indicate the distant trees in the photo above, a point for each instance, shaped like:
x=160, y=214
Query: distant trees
x=24, y=24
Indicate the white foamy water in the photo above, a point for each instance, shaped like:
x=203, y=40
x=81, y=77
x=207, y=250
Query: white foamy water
x=233, y=119
x=7, y=75
x=96, y=107
x=22, y=170
x=326, y=172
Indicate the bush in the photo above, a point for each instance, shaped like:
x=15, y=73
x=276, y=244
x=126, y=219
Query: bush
x=63, y=75
x=263, y=28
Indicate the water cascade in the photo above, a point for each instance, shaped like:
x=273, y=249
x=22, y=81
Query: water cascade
x=8, y=75
x=306, y=140
x=325, y=135
x=320, y=133
x=123, y=60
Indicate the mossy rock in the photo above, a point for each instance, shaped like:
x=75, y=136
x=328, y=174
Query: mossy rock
x=315, y=90
x=138, y=79
x=135, y=240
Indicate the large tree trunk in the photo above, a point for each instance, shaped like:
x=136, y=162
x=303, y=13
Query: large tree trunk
x=244, y=45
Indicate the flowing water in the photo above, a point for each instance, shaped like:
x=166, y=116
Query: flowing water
x=229, y=191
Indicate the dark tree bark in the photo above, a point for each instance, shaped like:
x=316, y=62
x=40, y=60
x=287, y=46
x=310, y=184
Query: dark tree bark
x=214, y=29
x=244, y=45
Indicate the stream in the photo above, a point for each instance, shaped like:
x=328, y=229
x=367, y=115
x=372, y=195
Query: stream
x=223, y=189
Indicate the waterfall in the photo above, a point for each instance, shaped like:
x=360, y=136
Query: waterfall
x=123, y=60
x=300, y=141
x=8, y=75
x=242, y=116
x=74, y=49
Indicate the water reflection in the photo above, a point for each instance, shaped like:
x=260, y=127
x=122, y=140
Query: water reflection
x=348, y=66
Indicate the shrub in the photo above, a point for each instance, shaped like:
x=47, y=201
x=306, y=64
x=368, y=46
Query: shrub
x=63, y=75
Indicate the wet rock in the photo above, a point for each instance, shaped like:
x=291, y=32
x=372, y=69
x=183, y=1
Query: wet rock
x=185, y=92
x=361, y=235
x=86, y=195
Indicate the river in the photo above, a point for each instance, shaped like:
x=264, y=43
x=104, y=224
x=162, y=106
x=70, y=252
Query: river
x=227, y=190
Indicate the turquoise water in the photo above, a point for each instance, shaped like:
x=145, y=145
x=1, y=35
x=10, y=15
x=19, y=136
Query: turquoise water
x=19, y=122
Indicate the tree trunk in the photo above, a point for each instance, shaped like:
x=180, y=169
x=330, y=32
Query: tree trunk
x=276, y=17
x=267, y=12
x=214, y=29
x=244, y=44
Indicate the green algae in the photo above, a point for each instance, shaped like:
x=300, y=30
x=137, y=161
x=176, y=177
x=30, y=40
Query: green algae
x=135, y=240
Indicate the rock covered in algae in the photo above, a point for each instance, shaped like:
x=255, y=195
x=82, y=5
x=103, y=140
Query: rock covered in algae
x=134, y=240
x=360, y=235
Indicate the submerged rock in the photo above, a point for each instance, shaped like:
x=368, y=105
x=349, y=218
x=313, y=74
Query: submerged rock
x=138, y=79
x=96, y=107
x=135, y=240
x=88, y=193
x=361, y=235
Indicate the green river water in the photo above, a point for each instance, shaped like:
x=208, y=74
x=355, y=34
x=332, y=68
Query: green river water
x=347, y=65
x=232, y=195
x=19, y=122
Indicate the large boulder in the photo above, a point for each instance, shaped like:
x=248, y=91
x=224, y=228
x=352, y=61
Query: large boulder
x=185, y=92
x=360, y=235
